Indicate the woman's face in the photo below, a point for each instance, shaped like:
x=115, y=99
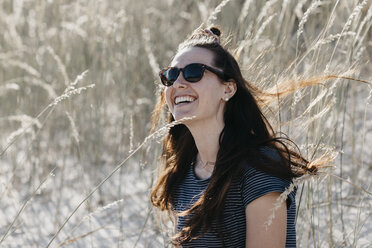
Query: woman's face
x=203, y=99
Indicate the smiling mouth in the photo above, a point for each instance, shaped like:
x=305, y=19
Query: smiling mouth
x=183, y=99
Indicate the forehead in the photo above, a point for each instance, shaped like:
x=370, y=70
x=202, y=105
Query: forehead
x=193, y=55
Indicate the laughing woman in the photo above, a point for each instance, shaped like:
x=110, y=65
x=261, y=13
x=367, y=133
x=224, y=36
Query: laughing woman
x=222, y=170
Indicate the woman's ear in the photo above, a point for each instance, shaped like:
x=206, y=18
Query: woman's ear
x=230, y=89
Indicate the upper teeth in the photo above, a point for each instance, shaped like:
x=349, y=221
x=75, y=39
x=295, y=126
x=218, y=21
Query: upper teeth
x=183, y=99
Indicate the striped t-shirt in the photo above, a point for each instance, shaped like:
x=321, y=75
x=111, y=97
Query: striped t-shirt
x=252, y=185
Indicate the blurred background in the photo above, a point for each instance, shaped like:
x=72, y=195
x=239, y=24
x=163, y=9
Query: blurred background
x=78, y=82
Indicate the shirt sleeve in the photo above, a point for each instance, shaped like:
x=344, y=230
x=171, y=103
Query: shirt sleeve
x=257, y=183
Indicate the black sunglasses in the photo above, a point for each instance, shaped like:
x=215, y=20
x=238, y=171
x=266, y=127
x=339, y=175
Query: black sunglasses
x=191, y=73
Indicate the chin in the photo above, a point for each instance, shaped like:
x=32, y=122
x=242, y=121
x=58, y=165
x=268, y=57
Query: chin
x=179, y=117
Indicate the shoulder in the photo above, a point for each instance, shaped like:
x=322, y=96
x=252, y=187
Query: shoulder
x=256, y=183
x=264, y=155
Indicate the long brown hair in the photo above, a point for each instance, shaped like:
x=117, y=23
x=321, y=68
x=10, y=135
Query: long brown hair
x=245, y=133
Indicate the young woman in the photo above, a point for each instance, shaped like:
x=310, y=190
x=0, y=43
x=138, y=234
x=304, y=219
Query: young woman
x=223, y=169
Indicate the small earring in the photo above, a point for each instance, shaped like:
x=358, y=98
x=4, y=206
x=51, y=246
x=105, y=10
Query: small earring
x=226, y=99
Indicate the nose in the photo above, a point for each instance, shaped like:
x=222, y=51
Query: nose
x=180, y=81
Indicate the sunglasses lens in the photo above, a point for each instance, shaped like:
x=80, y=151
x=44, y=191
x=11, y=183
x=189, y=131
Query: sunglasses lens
x=193, y=72
x=172, y=74
x=168, y=76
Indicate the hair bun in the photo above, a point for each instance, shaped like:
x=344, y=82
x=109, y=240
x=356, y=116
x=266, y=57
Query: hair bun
x=204, y=35
x=215, y=31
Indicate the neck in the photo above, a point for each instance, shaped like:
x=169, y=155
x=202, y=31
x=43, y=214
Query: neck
x=206, y=136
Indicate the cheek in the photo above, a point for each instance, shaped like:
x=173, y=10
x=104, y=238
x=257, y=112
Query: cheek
x=167, y=93
x=213, y=94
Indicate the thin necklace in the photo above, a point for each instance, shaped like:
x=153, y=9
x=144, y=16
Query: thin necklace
x=204, y=165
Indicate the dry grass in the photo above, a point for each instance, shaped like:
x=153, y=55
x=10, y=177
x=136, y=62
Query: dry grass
x=57, y=145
